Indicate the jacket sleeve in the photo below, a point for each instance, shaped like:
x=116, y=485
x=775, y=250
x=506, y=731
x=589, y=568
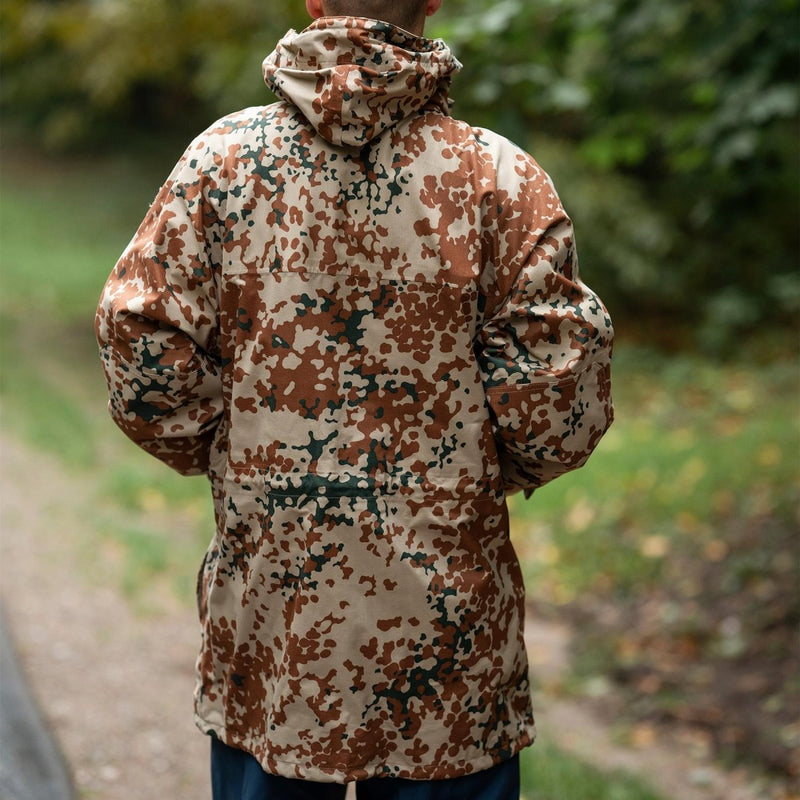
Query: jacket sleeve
x=156, y=326
x=544, y=346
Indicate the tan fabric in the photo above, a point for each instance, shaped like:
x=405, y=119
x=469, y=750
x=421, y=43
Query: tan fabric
x=363, y=319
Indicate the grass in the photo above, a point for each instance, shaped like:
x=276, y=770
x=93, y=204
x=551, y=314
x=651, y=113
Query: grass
x=549, y=774
x=697, y=447
x=61, y=230
x=674, y=552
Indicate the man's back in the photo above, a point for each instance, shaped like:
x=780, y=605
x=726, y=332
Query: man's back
x=371, y=316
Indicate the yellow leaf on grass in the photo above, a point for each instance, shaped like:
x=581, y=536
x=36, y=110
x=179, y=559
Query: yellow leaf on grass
x=152, y=500
x=715, y=550
x=687, y=521
x=518, y=528
x=769, y=455
x=682, y=438
x=693, y=470
x=580, y=516
x=644, y=479
x=563, y=594
x=742, y=399
x=548, y=554
x=655, y=546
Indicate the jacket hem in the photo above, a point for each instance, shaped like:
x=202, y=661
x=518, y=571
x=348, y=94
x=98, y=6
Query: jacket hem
x=347, y=773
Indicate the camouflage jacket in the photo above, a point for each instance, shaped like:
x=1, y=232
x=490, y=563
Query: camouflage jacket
x=363, y=320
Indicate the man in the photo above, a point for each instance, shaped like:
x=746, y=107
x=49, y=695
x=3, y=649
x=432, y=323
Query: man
x=362, y=319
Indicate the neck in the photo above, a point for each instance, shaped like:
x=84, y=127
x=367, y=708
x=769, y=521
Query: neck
x=417, y=28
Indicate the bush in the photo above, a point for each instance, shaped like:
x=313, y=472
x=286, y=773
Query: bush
x=669, y=128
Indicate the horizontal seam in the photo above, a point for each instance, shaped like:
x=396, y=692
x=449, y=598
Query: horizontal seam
x=344, y=766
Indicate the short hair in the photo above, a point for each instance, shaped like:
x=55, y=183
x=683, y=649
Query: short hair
x=403, y=13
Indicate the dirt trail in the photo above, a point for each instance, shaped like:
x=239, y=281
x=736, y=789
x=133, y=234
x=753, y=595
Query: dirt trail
x=116, y=685
x=666, y=765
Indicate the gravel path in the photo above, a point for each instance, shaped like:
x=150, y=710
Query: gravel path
x=116, y=684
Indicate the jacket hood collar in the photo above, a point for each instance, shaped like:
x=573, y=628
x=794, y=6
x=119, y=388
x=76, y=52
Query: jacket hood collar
x=353, y=78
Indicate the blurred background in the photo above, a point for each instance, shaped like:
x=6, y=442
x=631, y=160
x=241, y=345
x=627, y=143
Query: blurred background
x=671, y=131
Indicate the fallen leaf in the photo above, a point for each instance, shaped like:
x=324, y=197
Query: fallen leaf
x=769, y=455
x=716, y=550
x=655, y=546
x=151, y=500
x=643, y=736
x=580, y=516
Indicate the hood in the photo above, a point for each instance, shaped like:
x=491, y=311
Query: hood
x=354, y=78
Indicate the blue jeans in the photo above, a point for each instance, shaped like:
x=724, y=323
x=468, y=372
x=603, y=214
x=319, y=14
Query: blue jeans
x=236, y=775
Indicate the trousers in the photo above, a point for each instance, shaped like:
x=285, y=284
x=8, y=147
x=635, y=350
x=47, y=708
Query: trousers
x=236, y=775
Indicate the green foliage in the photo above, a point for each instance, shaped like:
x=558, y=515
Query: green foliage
x=79, y=71
x=669, y=128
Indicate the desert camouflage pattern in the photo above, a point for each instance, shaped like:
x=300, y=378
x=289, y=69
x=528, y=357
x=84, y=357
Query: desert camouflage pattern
x=363, y=320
